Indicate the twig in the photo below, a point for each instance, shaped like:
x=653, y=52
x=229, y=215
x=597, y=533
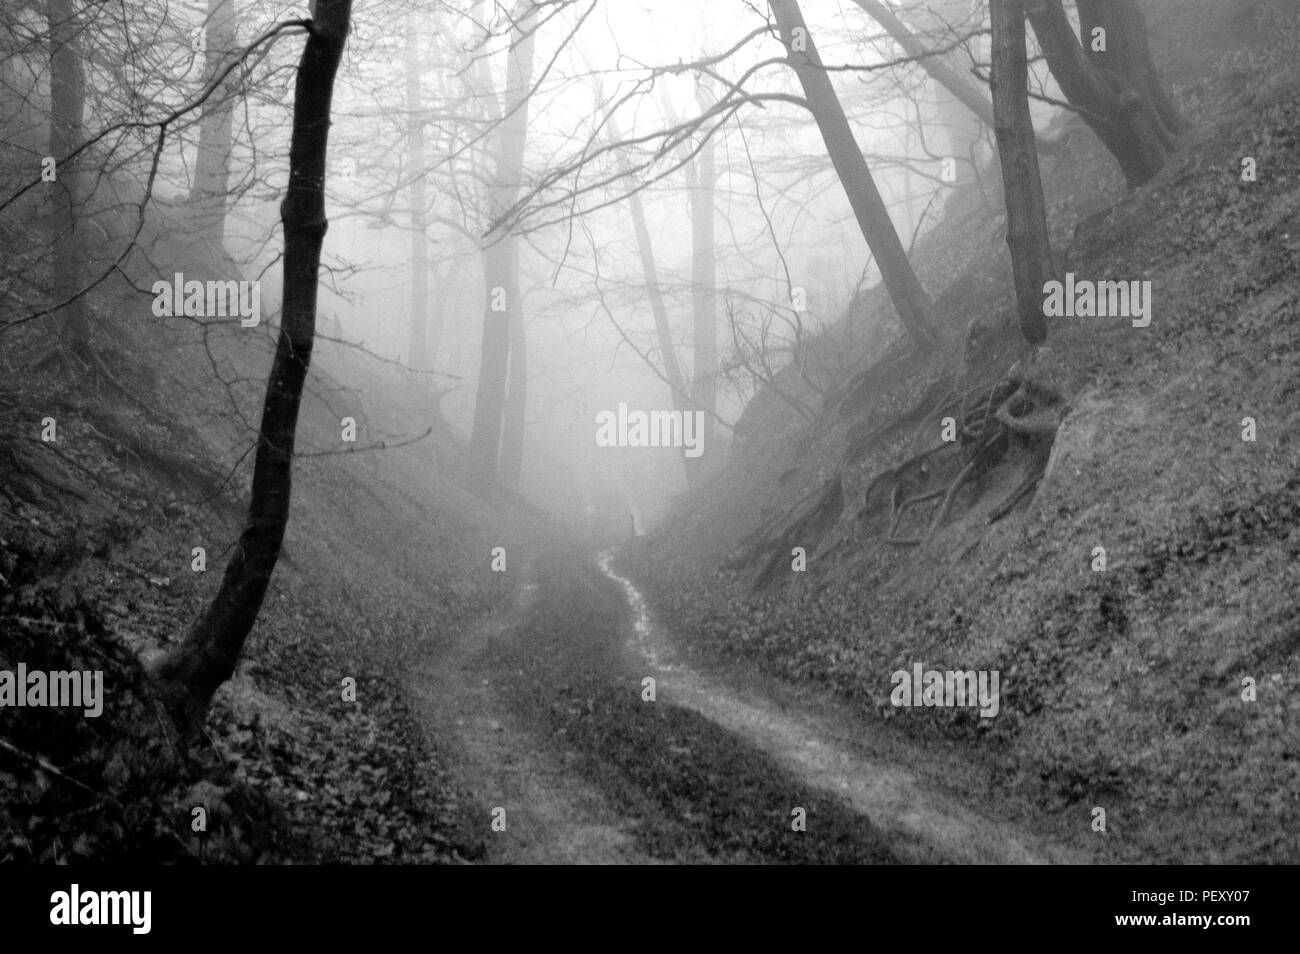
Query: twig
x=47, y=766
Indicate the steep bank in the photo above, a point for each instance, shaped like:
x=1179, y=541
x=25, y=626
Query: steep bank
x=1122, y=688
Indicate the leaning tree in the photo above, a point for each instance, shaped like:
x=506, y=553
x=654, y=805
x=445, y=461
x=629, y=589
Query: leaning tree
x=190, y=673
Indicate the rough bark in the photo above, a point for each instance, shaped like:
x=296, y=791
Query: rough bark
x=1027, y=237
x=212, y=167
x=190, y=673
x=910, y=300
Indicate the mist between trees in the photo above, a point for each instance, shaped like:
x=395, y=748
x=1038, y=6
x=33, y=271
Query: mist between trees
x=533, y=212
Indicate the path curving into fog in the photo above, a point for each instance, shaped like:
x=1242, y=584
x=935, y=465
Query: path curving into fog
x=827, y=753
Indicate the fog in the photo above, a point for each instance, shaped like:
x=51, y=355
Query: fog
x=602, y=431
x=780, y=217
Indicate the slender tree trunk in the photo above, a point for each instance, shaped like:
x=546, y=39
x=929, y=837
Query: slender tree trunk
x=910, y=300
x=190, y=673
x=512, y=428
x=419, y=233
x=499, y=272
x=1112, y=88
x=212, y=167
x=1031, y=252
x=654, y=291
x=704, y=297
x=67, y=103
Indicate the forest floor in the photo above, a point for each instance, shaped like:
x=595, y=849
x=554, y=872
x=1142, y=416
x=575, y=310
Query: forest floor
x=547, y=703
x=98, y=530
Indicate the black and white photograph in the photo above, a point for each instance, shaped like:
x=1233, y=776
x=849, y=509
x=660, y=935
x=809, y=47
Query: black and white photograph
x=445, y=433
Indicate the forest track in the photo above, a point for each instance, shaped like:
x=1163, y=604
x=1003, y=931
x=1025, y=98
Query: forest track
x=923, y=826
x=574, y=796
x=552, y=816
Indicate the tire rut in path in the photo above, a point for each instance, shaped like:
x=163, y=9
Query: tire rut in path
x=922, y=826
x=552, y=815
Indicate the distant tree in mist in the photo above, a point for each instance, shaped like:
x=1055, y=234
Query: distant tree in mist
x=212, y=164
x=415, y=123
x=496, y=450
x=702, y=178
x=672, y=373
x=67, y=105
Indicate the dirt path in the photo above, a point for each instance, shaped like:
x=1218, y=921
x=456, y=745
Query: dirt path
x=923, y=826
x=552, y=816
x=560, y=810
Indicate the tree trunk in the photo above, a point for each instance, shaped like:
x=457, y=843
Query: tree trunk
x=704, y=298
x=419, y=235
x=190, y=673
x=672, y=368
x=489, y=398
x=1116, y=90
x=512, y=429
x=1031, y=251
x=212, y=167
x=67, y=103
x=499, y=262
x=1128, y=53
x=909, y=298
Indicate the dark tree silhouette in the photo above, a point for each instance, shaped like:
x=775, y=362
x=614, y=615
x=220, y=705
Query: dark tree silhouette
x=190, y=673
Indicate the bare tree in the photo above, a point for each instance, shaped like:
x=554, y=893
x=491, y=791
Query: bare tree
x=672, y=369
x=212, y=169
x=701, y=181
x=415, y=121
x=910, y=299
x=500, y=253
x=190, y=673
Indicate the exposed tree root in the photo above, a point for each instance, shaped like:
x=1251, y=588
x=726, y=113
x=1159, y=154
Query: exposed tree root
x=1015, y=408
